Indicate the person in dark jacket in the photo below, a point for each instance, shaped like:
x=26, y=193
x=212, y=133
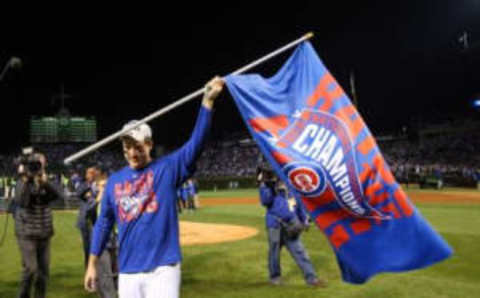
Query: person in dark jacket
x=87, y=213
x=107, y=263
x=34, y=225
x=284, y=215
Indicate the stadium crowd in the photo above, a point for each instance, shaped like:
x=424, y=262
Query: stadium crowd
x=231, y=161
x=440, y=156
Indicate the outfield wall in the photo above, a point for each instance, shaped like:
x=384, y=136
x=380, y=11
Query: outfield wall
x=250, y=182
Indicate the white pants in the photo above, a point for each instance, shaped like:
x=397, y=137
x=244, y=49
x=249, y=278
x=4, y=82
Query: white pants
x=163, y=282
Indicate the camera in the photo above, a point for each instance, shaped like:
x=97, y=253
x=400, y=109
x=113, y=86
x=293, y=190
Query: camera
x=30, y=162
x=266, y=174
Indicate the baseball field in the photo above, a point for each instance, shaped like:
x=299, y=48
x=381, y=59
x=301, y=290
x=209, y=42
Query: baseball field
x=238, y=268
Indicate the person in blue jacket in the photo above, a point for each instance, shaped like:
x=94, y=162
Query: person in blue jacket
x=141, y=199
x=477, y=178
x=284, y=215
x=190, y=193
x=186, y=196
x=180, y=202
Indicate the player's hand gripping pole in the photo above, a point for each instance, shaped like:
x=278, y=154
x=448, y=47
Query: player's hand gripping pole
x=179, y=102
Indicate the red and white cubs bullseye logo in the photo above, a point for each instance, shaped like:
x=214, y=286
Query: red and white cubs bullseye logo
x=303, y=179
x=307, y=179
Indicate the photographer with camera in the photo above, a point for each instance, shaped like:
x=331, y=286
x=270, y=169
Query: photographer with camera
x=33, y=221
x=285, y=221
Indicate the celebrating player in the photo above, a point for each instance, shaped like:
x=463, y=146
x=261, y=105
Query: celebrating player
x=141, y=198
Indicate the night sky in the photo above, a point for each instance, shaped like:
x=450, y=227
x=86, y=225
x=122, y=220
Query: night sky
x=408, y=63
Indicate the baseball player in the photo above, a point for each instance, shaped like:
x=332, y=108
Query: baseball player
x=190, y=195
x=180, y=202
x=141, y=199
x=185, y=197
x=196, y=197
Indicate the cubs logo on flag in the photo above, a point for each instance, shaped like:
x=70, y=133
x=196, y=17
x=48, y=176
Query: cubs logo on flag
x=317, y=142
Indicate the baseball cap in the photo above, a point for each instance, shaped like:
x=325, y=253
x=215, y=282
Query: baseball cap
x=139, y=133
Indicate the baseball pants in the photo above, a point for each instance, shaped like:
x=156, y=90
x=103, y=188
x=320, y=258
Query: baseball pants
x=163, y=282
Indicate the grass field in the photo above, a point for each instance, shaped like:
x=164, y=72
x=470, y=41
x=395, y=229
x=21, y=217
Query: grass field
x=239, y=269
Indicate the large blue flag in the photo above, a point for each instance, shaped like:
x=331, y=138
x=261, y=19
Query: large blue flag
x=310, y=132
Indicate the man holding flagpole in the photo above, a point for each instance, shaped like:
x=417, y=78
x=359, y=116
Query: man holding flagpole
x=141, y=199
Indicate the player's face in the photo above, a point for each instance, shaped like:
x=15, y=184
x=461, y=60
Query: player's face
x=136, y=153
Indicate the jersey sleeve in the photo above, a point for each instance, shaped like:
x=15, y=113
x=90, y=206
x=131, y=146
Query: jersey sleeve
x=104, y=223
x=183, y=160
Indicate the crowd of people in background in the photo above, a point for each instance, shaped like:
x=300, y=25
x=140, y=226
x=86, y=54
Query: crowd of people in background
x=440, y=156
x=233, y=161
x=455, y=156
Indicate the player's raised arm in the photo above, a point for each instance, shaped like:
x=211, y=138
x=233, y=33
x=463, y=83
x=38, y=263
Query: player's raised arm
x=184, y=158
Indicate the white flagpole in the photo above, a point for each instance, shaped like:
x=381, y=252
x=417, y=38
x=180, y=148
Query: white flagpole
x=179, y=102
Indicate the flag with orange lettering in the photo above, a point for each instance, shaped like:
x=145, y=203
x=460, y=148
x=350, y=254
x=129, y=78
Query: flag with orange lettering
x=312, y=135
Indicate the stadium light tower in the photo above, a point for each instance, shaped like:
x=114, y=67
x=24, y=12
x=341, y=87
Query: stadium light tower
x=61, y=96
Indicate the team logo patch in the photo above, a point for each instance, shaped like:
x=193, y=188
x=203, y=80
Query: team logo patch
x=135, y=197
x=306, y=178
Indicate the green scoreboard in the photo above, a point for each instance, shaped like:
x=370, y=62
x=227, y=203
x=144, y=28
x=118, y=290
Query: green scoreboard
x=63, y=129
